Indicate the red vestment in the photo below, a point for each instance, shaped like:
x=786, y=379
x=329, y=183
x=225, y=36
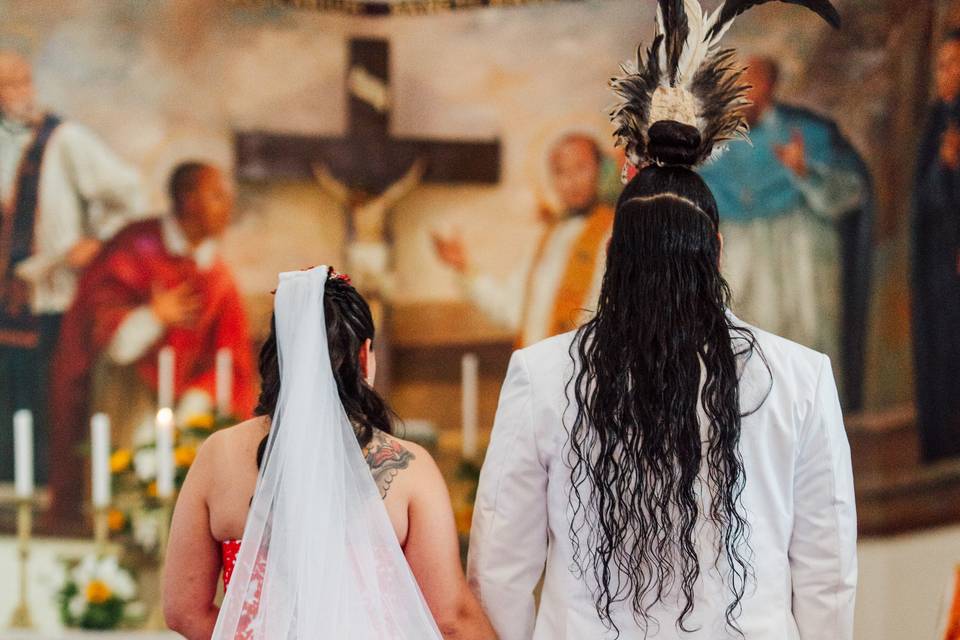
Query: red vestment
x=120, y=280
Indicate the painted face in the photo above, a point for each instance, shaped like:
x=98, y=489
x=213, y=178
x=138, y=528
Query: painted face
x=212, y=202
x=575, y=173
x=948, y=72
x=760, y=76
x=17, y=97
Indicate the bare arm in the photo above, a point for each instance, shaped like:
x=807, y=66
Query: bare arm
x=330, y=185
x=193, y=563
x=399, y=189
x=433, y=553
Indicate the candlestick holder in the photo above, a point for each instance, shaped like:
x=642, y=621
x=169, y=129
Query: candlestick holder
x=156, y=620
x=101, y=529
x=21, y=618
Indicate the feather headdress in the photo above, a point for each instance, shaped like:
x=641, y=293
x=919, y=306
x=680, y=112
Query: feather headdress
x=686, y=77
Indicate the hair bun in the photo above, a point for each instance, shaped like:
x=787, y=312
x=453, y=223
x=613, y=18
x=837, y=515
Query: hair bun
x=674, y=143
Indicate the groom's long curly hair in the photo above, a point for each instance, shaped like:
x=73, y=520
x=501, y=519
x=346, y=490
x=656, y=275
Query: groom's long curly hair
x=645, y=469
x=349, y=326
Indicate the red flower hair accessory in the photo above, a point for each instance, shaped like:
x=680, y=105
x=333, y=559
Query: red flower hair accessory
x=334, y=275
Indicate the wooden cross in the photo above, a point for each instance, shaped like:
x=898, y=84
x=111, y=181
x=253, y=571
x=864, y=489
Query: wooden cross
x=368, y=169
x=368, y=158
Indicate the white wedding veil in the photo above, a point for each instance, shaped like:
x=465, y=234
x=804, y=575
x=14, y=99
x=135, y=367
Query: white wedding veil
x=319, y=557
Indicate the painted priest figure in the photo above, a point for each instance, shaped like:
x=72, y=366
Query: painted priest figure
x=159, y=283
x=784, y=203
x=554, y=293
x=63, y=194
x=936, y=264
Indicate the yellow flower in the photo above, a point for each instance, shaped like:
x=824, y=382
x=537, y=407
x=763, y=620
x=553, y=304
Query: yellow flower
x=120, y=460
x=201, y=421
x=184, y=455
x=152, y=489
x=116, y=520
x=98, y=592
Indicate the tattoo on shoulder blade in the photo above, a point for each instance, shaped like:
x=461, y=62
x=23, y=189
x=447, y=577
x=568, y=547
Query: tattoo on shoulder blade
x=386, y=458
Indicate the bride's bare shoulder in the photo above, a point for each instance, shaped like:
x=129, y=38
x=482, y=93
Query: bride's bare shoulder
x=239, y=442
x=399, y=464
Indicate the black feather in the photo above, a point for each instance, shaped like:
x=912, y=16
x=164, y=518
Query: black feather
x=677, y=29
x=718, y=88
x=635, y=90
x=733, y=8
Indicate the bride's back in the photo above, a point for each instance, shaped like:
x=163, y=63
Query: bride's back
x=403, y=471
x=214, y=506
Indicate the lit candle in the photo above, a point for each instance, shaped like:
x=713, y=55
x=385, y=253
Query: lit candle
x=224, y=382
x=164, y=453
x=470, y=372
x=165, y=378
x=23, y=453
x=100, y=460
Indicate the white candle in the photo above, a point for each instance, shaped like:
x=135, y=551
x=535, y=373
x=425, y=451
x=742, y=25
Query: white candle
x=100, y=460
x=164, y=453
x=165, y=378
x=23, y=453
x=470, y=373
x=224, y=382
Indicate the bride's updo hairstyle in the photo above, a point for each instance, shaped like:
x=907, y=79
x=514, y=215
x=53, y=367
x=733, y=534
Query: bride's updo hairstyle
x=349, y=326
x=659, y=346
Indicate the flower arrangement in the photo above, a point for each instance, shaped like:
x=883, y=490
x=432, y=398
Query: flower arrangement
x=97, y=593
x=136, y=518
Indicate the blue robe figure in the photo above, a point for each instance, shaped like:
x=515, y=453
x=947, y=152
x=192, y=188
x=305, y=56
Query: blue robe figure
x=798, y=246
x=936, y=291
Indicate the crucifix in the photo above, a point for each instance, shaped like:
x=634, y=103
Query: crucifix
x=368, y=170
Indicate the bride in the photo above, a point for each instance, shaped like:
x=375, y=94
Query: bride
x=322, y=522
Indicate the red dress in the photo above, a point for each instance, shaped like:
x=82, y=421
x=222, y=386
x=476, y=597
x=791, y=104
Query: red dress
x=229, y=550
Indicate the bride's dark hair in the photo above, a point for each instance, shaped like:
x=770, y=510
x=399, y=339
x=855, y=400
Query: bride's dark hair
x=349, y=325
x=661, y=344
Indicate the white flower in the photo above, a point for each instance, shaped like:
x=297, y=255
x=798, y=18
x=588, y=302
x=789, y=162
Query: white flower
x=77, y=606
x=145, y=464
x=145, y=434
x=146, y=531
x=124, y=586
x=108, y=570
x=84, y=572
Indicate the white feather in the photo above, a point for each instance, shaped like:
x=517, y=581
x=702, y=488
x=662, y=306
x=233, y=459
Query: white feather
x=699, y=45
x=693, y=50
x=711, y=21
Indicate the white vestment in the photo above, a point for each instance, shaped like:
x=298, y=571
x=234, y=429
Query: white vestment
x=507, y=302
x=85, y=191
x=798, y=498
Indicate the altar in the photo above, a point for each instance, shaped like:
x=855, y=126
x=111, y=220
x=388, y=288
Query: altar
x=45, y=562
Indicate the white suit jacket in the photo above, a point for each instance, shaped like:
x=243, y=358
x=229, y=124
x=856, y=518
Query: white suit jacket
x=798, y=497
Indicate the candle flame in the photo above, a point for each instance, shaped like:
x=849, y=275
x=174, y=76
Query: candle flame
x=165, y=416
